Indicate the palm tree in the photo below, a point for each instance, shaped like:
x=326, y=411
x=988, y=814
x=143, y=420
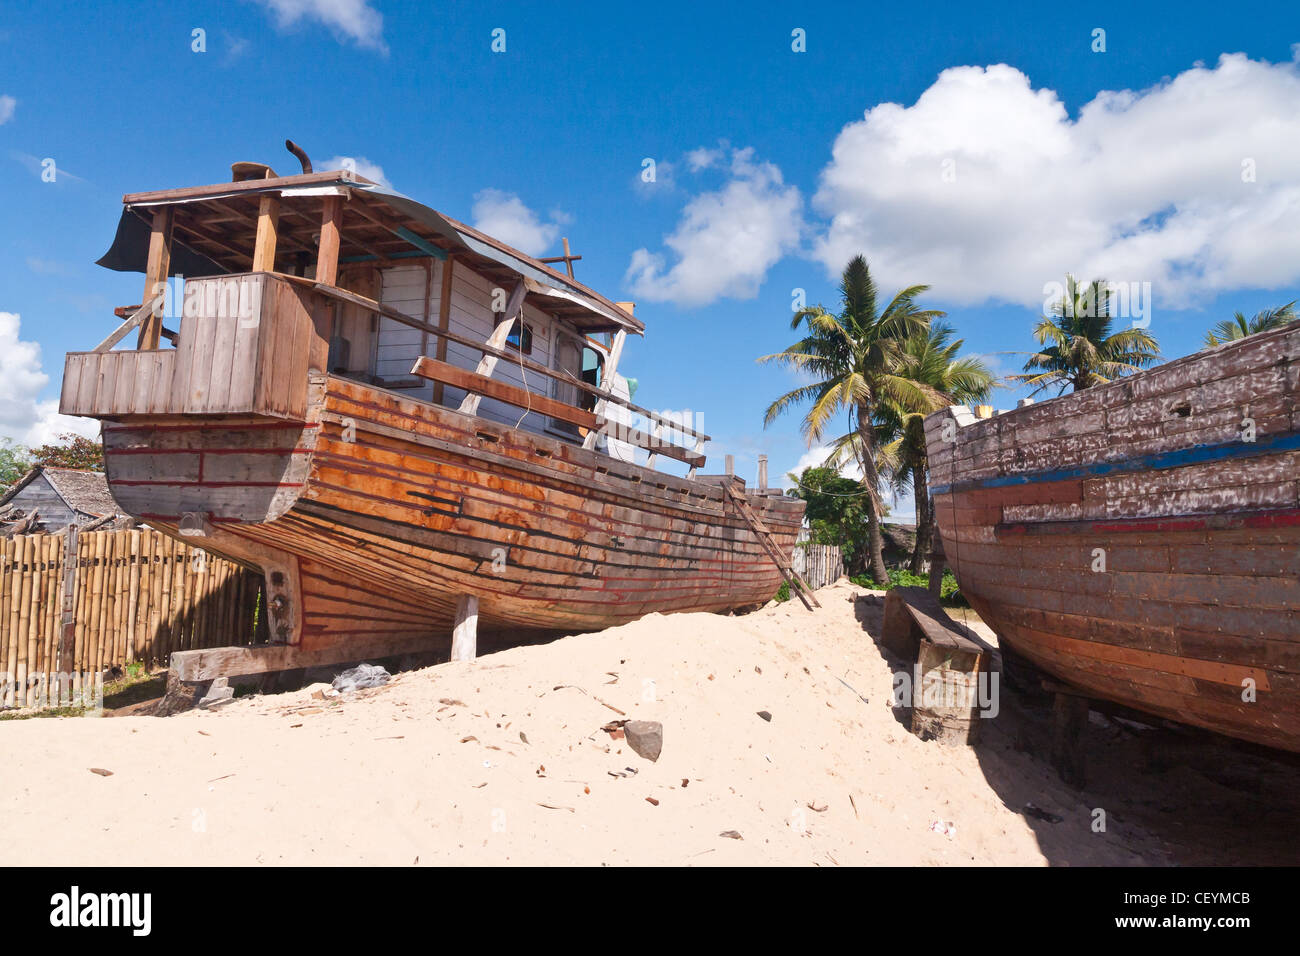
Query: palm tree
x=1238, y=327
x=853, y=358
x=1081, y=350
x=930, y=359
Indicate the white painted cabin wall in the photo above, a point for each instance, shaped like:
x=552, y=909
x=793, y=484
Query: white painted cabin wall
x=470, y=316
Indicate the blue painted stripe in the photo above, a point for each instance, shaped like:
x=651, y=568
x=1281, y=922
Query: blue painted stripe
x=1196, y=455
x=420, y=243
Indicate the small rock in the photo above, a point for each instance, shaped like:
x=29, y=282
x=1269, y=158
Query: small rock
x=645, y=737
x=220, y=692
x=765, y=715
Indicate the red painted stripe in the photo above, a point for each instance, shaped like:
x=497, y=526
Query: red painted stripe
x=214, y=426
x=1281, y=518
x=209, y=484
x=113, y=452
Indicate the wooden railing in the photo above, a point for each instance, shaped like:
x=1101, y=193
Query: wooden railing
x=256, y=363
x=655, y=442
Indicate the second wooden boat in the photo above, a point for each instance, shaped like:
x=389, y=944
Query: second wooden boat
x=1141, y=540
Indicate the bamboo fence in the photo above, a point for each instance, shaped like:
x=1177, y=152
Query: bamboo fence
x=818, y=564
x=113, y=598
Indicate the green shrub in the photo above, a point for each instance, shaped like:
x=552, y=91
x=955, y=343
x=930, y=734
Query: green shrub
x=782, y=593
x=949, y=592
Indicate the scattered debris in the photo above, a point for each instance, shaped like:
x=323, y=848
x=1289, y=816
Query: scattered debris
x=685, y=783
x=625, y=772
x=731, y=835
x=645, y=737
x=359, y=677
x=451, y=702
x=812, y=805
x=765, y=715
x=549, y=806
x=524, y=737
x=946, y=827
x=101, y=771
x=652, y=801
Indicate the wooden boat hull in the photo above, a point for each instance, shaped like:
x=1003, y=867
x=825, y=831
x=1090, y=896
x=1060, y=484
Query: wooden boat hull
x=1141, y=540
x=378, y=512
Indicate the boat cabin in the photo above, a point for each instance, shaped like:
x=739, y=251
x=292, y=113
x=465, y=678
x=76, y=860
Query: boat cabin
x=253, y=285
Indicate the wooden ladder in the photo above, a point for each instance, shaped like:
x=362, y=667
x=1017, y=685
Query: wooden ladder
x=797, y=584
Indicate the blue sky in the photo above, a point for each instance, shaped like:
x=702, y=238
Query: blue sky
x=1014, y=152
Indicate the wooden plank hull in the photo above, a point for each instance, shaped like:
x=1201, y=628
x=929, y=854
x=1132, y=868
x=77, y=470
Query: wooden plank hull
x=388, y=509
x=1141, y=540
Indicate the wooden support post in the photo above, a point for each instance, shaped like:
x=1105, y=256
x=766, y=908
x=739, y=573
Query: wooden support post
x=268, y=218
x=444, y=321
x=488, y=364
x=327, y=255
x=762, y=473
x=68, y=621
x=1069, y=718
x=607, y=380
x=464, y=639
x=937, y=562
x=157, y=268
x=730, y=468
x=699, y=448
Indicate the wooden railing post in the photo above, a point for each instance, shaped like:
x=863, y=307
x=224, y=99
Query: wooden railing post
x=327, y=255
x=488, y=364
x=157, y=268
x=268, y=219
x=611, y=366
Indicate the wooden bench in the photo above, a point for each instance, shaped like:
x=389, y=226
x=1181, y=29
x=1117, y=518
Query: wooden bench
x=945, y=680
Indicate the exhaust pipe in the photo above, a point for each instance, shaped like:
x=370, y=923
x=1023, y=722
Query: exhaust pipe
x=298, y=151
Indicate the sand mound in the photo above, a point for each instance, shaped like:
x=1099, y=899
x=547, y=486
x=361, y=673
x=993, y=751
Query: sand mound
x=504, y=761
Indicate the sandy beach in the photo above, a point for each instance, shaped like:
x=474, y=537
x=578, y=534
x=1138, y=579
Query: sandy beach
x=504, y=761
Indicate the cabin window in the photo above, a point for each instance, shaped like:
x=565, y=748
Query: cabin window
x=520, y=338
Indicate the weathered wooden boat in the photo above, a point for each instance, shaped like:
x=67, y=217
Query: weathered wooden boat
x=1140, y=540
x=407, y=425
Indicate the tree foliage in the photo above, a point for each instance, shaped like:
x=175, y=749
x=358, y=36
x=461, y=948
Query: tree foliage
x=1080, y=345
x=15, y=461
x=71, y=451
x=1238, y=327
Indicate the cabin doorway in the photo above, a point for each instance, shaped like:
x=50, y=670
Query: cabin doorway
x=576, y=358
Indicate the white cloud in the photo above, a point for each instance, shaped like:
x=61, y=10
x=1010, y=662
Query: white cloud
x=7, y=106
x=23, y=416
x=1141, y=186
x=726, y=240
x=504, y=216
x=352, y=19
x=704, y=158
x=359, y=165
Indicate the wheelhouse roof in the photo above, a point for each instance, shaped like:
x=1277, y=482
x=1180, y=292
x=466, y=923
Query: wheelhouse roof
x=214, y=229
